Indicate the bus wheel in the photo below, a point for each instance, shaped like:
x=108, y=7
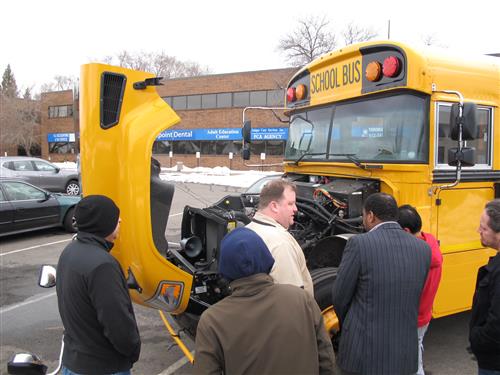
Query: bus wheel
x=323, y=280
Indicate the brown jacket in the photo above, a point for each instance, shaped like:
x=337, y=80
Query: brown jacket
x=263, y=328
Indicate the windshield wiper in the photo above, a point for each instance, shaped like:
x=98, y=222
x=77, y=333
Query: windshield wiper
x=296, y=162
x=352, y=157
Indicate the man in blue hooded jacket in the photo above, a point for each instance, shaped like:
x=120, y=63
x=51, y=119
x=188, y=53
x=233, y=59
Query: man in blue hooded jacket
x=262, y=327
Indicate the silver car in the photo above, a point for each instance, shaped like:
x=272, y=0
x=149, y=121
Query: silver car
x=40, y=173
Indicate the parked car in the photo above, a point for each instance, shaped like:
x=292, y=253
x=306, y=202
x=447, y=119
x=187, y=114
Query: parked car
x=24, y=207
x=251, y=194
x=40, y=173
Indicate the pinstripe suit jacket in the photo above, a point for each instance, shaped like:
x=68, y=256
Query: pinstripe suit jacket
x=376, y=297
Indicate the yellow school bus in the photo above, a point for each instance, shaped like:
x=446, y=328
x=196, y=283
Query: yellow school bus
x=376, y=116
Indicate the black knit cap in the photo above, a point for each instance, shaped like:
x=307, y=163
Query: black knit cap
x=97, y=214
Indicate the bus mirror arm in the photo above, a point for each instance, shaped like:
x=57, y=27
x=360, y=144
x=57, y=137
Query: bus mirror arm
x=459, y=156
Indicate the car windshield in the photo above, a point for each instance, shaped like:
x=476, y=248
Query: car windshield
x=384, y=129
x=257, y=186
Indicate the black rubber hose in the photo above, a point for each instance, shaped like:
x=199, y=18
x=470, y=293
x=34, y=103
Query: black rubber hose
x=316, y=204
x=311, y=210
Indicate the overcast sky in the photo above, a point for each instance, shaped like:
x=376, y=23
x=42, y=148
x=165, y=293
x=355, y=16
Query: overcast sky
x=42, y=39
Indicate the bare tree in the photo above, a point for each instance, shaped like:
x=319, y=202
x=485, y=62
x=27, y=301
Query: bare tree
x=311, y=40
x=59, y=83
x=429, y=39
x=20, y=122
x=160, y=64
x=354, y=33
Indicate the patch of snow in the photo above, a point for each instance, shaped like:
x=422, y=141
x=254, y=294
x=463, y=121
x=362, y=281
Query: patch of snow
x=216, y=176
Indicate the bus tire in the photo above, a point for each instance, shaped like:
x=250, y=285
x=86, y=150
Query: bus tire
x=323, y=280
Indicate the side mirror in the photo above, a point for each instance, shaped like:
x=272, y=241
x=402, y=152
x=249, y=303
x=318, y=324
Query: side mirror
x=247, y=132
x=469, y=121
x=26, y=363
x=47, y=278
x=465, y=155
x=58, y=169
x=245, y=153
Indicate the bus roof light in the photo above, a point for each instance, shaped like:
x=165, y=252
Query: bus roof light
x=290, y=94
x=373, y=71
x=392, y=66
x=301, y=91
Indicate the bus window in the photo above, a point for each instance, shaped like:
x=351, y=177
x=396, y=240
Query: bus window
x=388, y=129
x=482, y=144
x=308, y=133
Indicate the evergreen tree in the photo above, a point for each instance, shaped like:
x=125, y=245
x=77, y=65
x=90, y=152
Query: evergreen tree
x=27, y=93
x=9, y=86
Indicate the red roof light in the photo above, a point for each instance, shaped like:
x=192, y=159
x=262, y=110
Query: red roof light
x=391, y=67
x=290, y=94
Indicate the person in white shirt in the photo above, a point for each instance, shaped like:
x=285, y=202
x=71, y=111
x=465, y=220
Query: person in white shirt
x=275, y=215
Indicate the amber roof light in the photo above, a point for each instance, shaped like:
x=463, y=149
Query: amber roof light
x=373, y=71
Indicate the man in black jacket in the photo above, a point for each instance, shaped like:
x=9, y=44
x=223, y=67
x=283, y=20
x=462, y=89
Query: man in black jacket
x=101, y=334
x=484, y=335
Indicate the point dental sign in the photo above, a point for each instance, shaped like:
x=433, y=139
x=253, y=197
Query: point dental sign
x=222, y=134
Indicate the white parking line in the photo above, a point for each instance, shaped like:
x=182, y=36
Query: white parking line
x=38, y=299
x=175, y=366
x=34, y=247
x=53, y=243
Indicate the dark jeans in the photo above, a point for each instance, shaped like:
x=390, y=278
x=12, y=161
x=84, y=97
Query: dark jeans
x=65, y=371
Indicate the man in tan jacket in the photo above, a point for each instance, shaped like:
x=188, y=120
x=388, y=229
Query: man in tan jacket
x=262, y=327
x=275, y=214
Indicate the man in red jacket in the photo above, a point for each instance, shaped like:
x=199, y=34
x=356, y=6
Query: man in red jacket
x=410, y=221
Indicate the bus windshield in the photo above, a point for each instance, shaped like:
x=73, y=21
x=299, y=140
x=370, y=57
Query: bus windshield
x=383, y=129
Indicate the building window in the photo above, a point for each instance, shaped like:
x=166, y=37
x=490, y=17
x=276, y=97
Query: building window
x=224, y=100
x=262, y=98
x=60, y=111
x=208, y=147
x=61, y=147
x=179, y=102
x=194, y=102
x=275, y=147
x=209, y=101
x=257, y=147
x=241, y=99
x=186, y=147
x=162, y=147
x=275, y=98
x=168, y=100
x=258, y=98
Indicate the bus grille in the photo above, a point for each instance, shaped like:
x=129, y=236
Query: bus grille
x=112, y=89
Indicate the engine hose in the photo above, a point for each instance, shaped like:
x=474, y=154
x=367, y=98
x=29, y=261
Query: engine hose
x=352, y=220
x=312, y=211
x=347, y=228
x=316, y=204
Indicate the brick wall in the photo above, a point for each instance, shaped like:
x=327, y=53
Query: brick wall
x=55, y=125
x=191, y=119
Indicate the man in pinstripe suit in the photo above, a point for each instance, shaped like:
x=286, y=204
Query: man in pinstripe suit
x=377, y=292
